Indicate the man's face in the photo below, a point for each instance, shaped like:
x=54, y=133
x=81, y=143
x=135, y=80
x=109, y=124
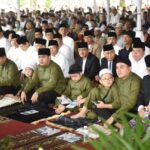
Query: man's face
x=44, y=60
x=127, y=39
x=88, y=39
x=38, y=46
x=28, y=72
x=2, y=60
x=75, y=77
x=97, y=32
x=122, y=70
x=106, y=80
x=24, y=47
x=111, y=40
x=38, y=35
x=62, y=31
x=137, y=53
x=14, y=42
x=53, y=49
x=109, y=55
x=83, y=52
x=49, y=36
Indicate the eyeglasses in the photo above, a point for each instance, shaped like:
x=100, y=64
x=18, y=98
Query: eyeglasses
x=107, y=79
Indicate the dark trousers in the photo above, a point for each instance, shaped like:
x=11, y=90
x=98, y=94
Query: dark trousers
x=45, y=99
x=105, y=113
x=9, y=90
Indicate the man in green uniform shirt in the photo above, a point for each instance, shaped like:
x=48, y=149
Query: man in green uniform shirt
x=47, y=82
x=128, y=85
x=9, y=75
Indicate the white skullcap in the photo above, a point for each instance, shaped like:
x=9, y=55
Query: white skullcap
x=104, y=71
x=20, y=33
x=32, y=66
x=102, y=28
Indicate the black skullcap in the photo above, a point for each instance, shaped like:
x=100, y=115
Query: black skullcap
x=74, y=69
x=138, y=44
x=2, y=52
x=112, y=34
x=49, y=30
x=82, y=45
x=40, y=41
x=44, y=22
x=147, y=60
x=53, y=43
x=22, y=40
x=108, y=47
x=124, y=60
x=38, y=30
x=44, y=51
x=15, y=36
x=59, y=36
x=88, y=33
x=63, y=25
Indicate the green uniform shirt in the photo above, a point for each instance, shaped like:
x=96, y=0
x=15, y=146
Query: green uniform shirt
x=74, y=89
x=9, y=75
x=102, y=94
x=46, y=79
x=128, y=94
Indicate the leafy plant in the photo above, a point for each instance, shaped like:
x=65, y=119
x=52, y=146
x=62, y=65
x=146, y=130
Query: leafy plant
x=133, y=138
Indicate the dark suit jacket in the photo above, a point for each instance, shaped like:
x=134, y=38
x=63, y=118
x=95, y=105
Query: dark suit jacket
x=104, y=64
x=92, y=66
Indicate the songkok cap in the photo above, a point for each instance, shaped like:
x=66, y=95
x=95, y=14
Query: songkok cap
x=59, y=36
x=138, y=44
x=82, y=45
x=63, y=25
x=15, y=36
x=124, y=60
x=44, y=51
x=104, y=71
x=22, y=40
x=88, y=33
x=49, y=30
x=44, y=22
x=40, y=41
x=108, y=47
x=112, y=34
x=2, y=52
x=74, y=69
x=53, y=43
x=38, y=30
x=147, y=60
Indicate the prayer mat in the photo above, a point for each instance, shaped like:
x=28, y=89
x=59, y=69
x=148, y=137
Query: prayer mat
x=25, y=112
x=32, y=140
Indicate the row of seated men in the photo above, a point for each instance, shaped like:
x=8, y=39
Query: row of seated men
x=117, y=92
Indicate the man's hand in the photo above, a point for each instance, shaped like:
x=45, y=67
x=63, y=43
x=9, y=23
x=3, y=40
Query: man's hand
x=34, y=97
x=101, y=105
x=23, y=97
x=79, y=97
x=81, y=101
x=110, y=120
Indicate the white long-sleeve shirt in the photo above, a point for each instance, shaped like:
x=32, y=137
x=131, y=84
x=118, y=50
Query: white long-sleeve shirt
x=138, y=67
x=61, y=60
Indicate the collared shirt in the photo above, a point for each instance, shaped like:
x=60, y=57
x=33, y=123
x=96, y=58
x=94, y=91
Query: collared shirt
x=61, y=60
x=83, y=64
x=68, y=53
x=69, y=42
x=13, y=55
x=5, y=43
x=138, y=67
